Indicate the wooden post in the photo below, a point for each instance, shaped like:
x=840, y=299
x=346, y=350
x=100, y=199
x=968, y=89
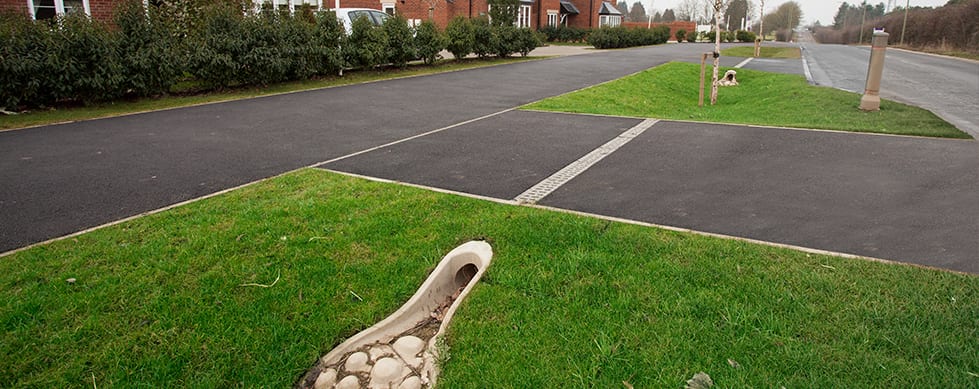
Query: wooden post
x=703, y=74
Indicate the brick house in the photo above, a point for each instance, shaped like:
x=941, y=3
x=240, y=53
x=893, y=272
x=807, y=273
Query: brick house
x=532, y=14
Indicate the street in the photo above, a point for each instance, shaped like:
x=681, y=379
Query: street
x=948, y=87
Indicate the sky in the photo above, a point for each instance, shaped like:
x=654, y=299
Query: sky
x=812, y=10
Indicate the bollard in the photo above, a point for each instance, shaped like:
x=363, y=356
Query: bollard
x=871, y=95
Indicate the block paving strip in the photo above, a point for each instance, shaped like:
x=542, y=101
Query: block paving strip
x=561, y=177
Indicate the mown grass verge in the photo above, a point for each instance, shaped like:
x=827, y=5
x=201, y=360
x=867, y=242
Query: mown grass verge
x=670, y=91
x=766, y=52
x=569, y=301
x=186, y=96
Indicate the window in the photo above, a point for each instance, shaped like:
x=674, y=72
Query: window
x=48, y=9
x=552, y=18
x=523, y=17
x=388, y=8
x=609, y=20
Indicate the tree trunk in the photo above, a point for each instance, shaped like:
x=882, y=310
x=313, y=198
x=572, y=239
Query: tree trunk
x=717, y=51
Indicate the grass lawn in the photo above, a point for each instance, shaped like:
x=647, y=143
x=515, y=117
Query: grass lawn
x=766, y=52
x=42, y=117
x=568, y=301
x=670, y=92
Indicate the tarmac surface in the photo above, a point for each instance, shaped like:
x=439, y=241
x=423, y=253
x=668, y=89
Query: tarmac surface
x=900, y=198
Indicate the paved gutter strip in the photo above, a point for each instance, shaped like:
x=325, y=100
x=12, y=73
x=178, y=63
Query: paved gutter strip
x=556, y=180
x=389, y=144
x=745, y=62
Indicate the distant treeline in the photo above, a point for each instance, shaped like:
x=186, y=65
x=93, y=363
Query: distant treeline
x=954, y=26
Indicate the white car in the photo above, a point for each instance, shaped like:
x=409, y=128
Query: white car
x=348, y=15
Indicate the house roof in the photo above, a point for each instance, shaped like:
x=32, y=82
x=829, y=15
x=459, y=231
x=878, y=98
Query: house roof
x=608, y=9
x=568, y=8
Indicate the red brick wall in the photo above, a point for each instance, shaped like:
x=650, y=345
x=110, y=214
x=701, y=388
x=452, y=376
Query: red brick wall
x=585, y=19
x=690, y=27
x=102, y=9
x=13, y=6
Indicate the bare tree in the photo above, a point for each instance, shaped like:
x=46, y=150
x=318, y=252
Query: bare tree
x=718, y=9
x=688, y=10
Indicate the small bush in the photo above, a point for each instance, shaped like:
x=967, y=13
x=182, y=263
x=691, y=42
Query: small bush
x=621, y=37
x=328, y=38
x=148, y=50
x=400, y=42
x=429, y=41
x=527, y=41
x=507, y=40
x=564, y=34
x=216, y=46
x=681, y=35
x=745, y=36
x=89, y=65
x=460, y=36
x=24, y=62
x=367, y=44
x=485, y=39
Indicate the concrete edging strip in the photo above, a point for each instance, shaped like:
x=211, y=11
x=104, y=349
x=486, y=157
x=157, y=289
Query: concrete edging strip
x=561, y=177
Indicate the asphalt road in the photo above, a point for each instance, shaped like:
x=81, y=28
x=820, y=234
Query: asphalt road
x=873, y=191
x=949, y=87
x=61, y=179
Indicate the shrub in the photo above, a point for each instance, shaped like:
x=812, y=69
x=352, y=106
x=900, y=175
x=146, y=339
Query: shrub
x=484, y=38
x=460, y=37
x=604, y=38
x=429, y=41
x=87, y=58
x=507, y=40
x=620, y=37
x=148, y=49
x=527, y=41
x=297, y=40
x=328, y=37
x=217, y=45
x=563, y=33
x=681, y=35
x=745, y=36
x=263, y=59
x=400, y=42
x=25, y=73
x=366, y=45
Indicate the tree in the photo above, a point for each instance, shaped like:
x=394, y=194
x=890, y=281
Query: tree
x=687, y=10
x=736, y=10
x=637, y=13
x=786, y=17
x=623, y=7
x=669, y=16
x=503, y=12
x=658, y=18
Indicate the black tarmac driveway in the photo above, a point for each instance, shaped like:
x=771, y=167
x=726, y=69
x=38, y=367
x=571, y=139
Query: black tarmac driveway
x=907, y=199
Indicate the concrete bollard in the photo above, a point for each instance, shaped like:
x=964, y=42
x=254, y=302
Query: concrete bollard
x=871, y=95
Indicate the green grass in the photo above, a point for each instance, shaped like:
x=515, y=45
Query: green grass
x=569, y=301
x=670, y=92
x=51, y=116
x=766, y=52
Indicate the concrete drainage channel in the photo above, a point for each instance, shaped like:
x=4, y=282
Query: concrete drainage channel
x=401, y=351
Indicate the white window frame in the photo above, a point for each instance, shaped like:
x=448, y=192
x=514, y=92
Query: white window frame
x=59, y=8
x=552, y=18
x=389, y=6
x=609, y=20
x=523, y=16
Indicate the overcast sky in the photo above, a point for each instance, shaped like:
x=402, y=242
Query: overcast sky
x=812, y=10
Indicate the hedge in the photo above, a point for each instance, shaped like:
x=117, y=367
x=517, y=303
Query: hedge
x=145, y=52
x=621, y=37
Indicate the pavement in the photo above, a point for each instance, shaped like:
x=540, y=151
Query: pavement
x=900, y=198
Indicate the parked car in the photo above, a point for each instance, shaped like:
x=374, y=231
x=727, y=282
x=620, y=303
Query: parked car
x=348, y=15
